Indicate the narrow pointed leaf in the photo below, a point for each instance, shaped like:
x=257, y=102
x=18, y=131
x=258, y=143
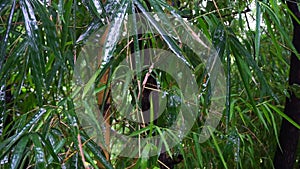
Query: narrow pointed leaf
x=40, y=160
x=169, y=41
x=91, y=145
x=257, y=33
x=18, y=152
x=114, y=31
x=245, y=75
x=7, y=145
x=95, y=7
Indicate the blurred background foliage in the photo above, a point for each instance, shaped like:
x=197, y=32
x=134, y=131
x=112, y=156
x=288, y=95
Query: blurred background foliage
x=41, y=40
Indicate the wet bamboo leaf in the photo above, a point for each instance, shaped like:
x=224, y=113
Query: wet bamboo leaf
x=18, y=152
x=4, y=4
x=198, y=150
x=40, y=160
x=67, y=20
x=114, y=31
x=282, y=114
x=7, y=67
x=35, y=40
x=219, y=40
x=52, y=150
x=278, y=25
x=5, y=39
x=245, y=75
x=95, y=7
x=265, y=88
x=295, y=88
x=218, y=148
x=170, y=42
x=93, y=147
x=50, y=35
x=274, y=124
x=258, y=32
x=111, y=7
x=92, y=28
x=31, y=24
x=49, y=27
x=7, y=144
x=136, y=42
x=279, y=50
x=145, y=154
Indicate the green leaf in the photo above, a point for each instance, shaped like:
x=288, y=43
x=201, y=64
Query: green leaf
x=4, y=4
x=40, y=160
x=145, y=156
x=218, y=148
x=238, y=51
x=5, y=39
x=34, y=38
x=7, y=144
x=91, y=28
x=169, y=41
x=282, y=114
x=295, y=88
x=198, y=150
x=278, y=25
x=257, y=30
x=114, y=31
x=96, y=150
x=18, y=152
x=95, y=7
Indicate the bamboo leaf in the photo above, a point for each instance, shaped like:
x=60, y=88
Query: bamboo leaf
x=198, y=150
x=170, y=42
x=245, y=75
x=257, y=30
x=114, y=31
x=218, y=148
x=40, y=160
x=7, y=145
x=278, y=25
x=18, y=152
x=95, y=7
x=35, y=40
x=5, y=39
x=265, y=88
x=92, y=28
x=284, y=115
x=91, y=145
x=4, y=4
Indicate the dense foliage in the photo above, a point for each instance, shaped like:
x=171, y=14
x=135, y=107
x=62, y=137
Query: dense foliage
x=42, y=40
